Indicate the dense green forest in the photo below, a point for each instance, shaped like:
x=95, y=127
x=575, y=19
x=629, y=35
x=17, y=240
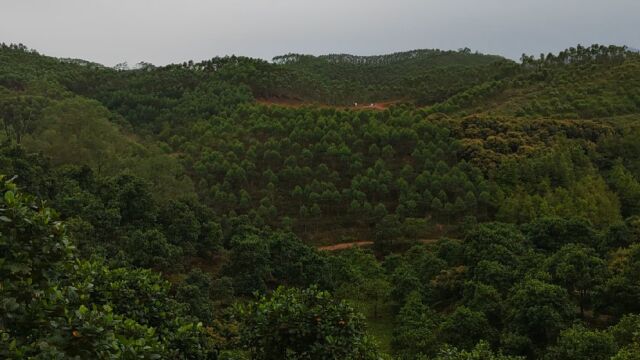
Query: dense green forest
x=180, y=212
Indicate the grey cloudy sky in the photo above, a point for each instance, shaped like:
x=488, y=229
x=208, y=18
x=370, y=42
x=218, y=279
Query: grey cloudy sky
x=164, y=31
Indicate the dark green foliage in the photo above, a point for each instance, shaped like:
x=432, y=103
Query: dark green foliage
x=296, y=264
x=486, y=300
x=423, y=76
x=57, y=306
x=260, y=259
x=580, y=82
x=550, y=234
x=249, y=264
x=463, y=328
x=579, y=269
x=303, y=324
x=198, y=291
x=150, y=249
x=502, y=213
x=497, y=242
x=538, y=310
x=387, y=230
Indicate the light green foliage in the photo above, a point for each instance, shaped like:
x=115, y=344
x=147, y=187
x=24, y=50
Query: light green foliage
x=20, y=113
x=621, y=289
x=580, y=343
x=362, y=279
x=625, y=333
x=78, y=131
x=415, y=333
x=482, y=351
x=628, y=189
x=82, y=132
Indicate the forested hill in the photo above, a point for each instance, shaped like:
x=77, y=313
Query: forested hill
x=578, y=83
x=419, y=76
x=167, y=212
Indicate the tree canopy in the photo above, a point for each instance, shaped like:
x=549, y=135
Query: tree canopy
x=210, y=210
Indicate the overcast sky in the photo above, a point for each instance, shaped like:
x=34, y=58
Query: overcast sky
x=163, y=31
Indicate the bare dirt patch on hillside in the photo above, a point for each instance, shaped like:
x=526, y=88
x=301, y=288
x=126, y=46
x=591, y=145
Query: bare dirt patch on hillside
x=349, y=245
x=294, y=103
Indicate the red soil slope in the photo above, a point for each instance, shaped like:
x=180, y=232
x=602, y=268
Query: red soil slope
x=298, y=103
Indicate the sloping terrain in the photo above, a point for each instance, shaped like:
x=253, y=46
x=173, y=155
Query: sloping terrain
x=499, y=202
x=582, y=83
x=420, y=76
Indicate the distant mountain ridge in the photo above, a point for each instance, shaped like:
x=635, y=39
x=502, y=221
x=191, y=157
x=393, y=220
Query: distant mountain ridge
x=382, y=59
x=447, y=81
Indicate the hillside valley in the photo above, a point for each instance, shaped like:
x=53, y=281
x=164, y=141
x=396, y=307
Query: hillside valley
x=426, y=204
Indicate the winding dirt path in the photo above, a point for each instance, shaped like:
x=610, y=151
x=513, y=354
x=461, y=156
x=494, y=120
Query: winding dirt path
x=349, y=245
x=345, y=246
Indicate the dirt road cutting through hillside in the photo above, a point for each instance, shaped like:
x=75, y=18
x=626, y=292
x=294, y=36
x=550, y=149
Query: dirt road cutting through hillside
x=298, y=104
x=345, y=246
x=349, y=245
